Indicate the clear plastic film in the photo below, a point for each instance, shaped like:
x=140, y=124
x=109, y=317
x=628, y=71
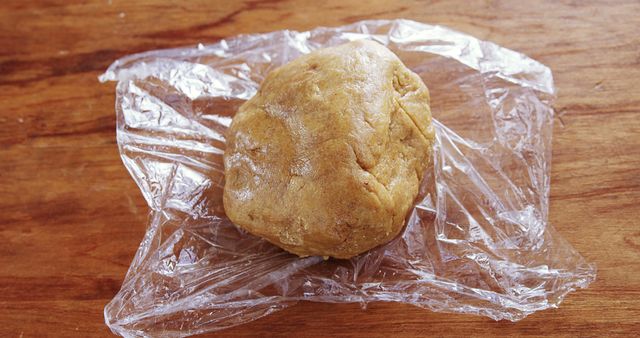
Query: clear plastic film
x=478, y=242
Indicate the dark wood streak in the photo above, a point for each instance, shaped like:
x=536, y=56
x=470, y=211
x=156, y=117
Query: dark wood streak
x=633, y=241
x=51, y=67
x=198, y=31
x=630, y=187
x=67, y=287
x=384, y=14
x=101, y=128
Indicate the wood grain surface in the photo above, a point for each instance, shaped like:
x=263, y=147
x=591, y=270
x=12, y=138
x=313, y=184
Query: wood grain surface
x=71, y=218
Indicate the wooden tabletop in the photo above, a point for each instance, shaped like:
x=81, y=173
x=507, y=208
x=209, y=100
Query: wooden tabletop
x=71, y=218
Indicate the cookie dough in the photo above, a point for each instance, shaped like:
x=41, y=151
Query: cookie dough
x=327, y=158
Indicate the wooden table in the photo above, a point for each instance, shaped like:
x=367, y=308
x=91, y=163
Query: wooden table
x=71, y=218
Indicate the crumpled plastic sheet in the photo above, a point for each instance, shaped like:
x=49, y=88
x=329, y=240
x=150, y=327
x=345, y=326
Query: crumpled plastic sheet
x=478, y=242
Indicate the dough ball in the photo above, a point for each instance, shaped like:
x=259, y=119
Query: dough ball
x=327, y=158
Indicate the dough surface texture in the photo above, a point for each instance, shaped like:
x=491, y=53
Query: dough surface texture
x=327, y=158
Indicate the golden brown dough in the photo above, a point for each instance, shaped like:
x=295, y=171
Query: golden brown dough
x=326, y=159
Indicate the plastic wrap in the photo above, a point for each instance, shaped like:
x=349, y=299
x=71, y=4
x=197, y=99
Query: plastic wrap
x=477, y=243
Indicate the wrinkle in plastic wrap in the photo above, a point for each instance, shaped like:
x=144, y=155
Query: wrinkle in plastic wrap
x=478, y=242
